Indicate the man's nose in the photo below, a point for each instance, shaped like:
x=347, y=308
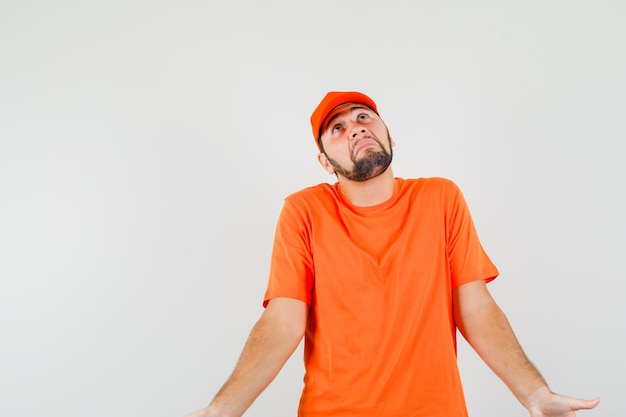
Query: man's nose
x=356, y=131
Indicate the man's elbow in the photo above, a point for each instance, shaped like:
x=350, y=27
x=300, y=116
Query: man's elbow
x=289, y=316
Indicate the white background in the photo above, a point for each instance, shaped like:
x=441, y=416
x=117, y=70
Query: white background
x=146, y=147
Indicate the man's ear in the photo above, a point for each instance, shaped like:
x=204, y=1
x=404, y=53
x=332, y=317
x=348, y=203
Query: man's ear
x=325, y=163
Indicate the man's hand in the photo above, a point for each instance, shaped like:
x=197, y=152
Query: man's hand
x=548, y=404
x=204, y=412
x=488, y=331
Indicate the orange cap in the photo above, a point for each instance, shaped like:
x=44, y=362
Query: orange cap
x=332, y=100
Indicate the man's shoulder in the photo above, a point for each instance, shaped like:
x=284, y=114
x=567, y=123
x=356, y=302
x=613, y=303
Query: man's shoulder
x=314, y=193
x=430, y=184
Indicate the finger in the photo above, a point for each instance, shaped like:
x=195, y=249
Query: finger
x=578, y=404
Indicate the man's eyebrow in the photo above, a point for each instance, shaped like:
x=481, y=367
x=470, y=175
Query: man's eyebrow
x=341, y=113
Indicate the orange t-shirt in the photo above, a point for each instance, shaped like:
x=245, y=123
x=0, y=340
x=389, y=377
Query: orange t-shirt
x=381, y=337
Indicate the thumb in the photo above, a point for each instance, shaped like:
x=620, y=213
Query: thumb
x=579, y=404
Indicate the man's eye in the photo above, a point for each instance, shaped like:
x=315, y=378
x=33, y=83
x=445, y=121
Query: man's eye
x=363, y=116
x=336, y=128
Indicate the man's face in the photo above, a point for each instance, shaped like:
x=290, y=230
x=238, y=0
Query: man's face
x=355, y=143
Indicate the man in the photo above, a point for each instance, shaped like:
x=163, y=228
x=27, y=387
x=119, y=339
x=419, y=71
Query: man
x=378, y=273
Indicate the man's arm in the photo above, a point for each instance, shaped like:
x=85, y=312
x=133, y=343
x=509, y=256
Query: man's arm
x=488, y=331
x=272, y=340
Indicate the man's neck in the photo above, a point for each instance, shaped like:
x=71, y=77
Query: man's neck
x=371, y=192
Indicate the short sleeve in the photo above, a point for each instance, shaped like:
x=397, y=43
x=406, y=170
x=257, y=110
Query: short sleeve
x=467, y=258
x=291, y=269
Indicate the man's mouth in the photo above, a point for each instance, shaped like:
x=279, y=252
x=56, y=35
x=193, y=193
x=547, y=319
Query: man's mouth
x=363, y=144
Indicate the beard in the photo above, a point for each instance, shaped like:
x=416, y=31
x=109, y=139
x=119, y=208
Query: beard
x=370, y=165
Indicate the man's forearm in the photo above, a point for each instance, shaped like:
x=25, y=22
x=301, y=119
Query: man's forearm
x=272, y=340
x=488, y=331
